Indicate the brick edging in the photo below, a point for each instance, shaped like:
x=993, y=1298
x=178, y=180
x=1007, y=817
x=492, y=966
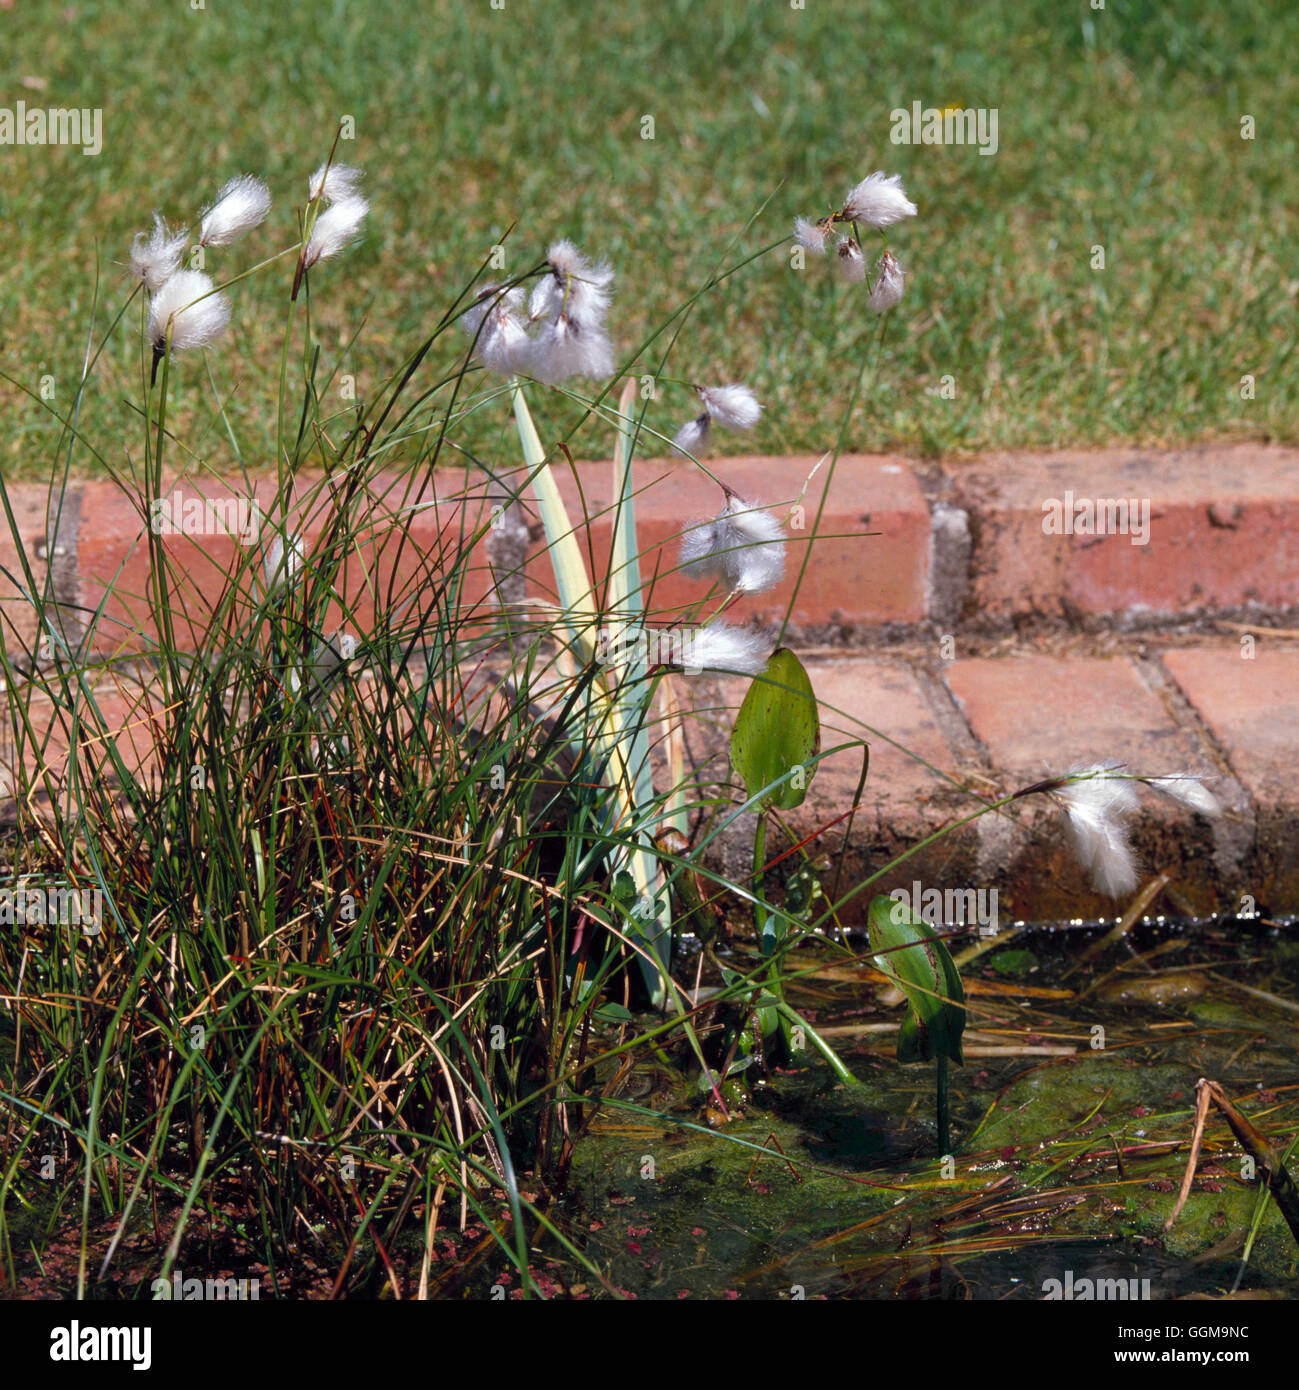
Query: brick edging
x=950, y=548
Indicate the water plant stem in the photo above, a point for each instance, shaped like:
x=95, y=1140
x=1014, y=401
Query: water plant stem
x=940, y=1093
x=766, y=940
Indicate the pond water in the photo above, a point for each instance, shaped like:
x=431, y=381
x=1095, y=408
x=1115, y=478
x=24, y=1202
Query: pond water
x=1071, y=1123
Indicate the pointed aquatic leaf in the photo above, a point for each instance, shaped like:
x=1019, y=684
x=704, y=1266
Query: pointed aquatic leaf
x=627, y=606
x=625, y=600
x=571, y=579
x=768, y=1014
x=577, y=599
x=778, y=731
x=917, y=961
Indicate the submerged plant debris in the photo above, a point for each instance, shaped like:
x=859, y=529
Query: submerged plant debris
x=1072, y=1120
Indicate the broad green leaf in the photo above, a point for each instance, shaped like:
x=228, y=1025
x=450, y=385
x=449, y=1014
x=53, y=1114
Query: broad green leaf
x=768, y=1014
x=712, y=1077
x=915, y=958
x=778, y=732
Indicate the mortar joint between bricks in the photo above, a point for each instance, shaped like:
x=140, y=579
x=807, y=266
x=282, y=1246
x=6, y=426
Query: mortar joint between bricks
x=507, y=552
x=951, y=553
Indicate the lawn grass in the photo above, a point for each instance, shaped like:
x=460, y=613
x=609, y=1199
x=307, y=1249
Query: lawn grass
x=1117, y=127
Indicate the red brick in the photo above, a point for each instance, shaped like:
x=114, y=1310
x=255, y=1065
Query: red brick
x=1251, y=707
x=1224, y=531
x=852, y=578
x=882, y=703
x=123, y=716
x=114, y=569
x=1038, y=715
x=409, y=532
x=18, y=625
x=380, y=569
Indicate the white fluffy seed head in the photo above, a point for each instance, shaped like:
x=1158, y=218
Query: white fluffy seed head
x=878, y=201
x=1097, y=804
x=282, y=564
x=505, y=347
x=334, y=229
x=503, y=344
x=849, y=261
x=330, y=656
x=566, y=261
x=1188, y=789
x=332, y=183
x=155, y=256
x=573, y=288
x=1102, y=849
x=491, y=300
x=758, y=561
x=743, y=546
x=565, y=347
x=547, y=299
x=240, y=206
x=886, y=293
x=196, y=315
x=692, y=438
x=698, y=547
x=719, y=647
x=1101, y=787
x=734, y=406
x=568, y=305
x=810, y=236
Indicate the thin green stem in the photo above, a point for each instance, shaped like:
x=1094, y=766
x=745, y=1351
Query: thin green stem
x=767, y=942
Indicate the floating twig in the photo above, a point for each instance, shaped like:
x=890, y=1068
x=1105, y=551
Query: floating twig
x=1278, y=1181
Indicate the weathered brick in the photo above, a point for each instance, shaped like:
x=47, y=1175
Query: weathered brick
x=1039, y=716
x=1251, y=707
x=1224, y=531
x=903, y=801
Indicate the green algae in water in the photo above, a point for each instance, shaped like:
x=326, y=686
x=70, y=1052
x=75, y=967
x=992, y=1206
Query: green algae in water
x=1014, y=965
x=1068, y=1164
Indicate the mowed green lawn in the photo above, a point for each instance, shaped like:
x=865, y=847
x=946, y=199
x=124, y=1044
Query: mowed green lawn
x=1118, y=128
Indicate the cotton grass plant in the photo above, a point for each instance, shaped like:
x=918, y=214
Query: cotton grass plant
x=335, y=971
